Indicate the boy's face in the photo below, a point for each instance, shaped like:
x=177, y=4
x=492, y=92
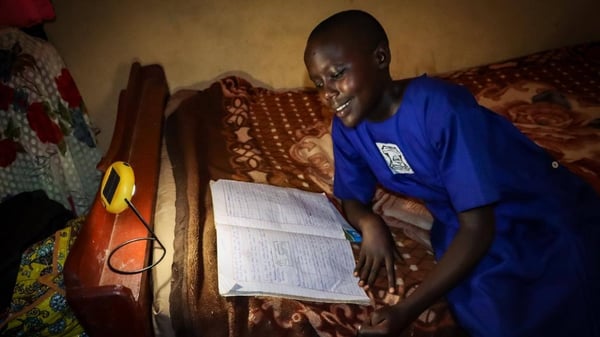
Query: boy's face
x=346, y=75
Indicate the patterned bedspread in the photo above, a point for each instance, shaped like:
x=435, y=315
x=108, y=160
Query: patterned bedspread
x=237, y=130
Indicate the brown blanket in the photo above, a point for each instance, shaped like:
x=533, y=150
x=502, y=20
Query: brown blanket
x=236, y=130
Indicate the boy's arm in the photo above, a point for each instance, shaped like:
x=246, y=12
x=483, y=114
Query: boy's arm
x=473, y=239
x=378, y=248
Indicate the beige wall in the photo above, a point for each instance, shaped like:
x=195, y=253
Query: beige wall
x=196, y=41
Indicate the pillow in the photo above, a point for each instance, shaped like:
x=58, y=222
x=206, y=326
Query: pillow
x=407, y=214
x=25, y=13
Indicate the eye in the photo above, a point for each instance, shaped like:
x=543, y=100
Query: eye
x=338, y=74
x=318, y=84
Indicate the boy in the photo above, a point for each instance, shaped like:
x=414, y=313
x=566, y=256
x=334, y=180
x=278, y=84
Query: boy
x=516, y=235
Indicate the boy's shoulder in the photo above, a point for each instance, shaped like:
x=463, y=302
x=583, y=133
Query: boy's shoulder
x=428, y=86
x=428, y=82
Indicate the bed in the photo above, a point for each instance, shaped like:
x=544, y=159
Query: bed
x=48, y=179
x=236, y=128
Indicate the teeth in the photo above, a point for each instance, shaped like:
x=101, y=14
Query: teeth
x=342, y=107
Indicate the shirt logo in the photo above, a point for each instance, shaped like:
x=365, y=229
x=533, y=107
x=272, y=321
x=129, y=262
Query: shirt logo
x=394, y=158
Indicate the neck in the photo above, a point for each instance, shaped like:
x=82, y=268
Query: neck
x=390, y=100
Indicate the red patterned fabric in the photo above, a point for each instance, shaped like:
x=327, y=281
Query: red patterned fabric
x=25, y=13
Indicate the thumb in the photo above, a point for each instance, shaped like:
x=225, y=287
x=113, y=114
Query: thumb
x=372, y=326
x=368, y=330
x=377, y=317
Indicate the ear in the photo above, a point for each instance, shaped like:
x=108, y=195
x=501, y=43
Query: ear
x=382, y=56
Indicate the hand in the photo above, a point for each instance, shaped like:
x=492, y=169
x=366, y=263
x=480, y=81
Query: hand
x=387, y=321
x=377, y=250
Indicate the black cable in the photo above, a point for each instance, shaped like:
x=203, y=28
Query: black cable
x=153, y=237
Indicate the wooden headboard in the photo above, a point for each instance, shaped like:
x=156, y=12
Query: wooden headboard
x=108, y=303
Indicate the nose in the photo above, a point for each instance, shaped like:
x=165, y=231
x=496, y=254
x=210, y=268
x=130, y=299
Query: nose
x=329, y=91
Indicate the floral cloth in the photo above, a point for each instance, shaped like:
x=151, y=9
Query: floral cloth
x=45, y=136
x=39, y=306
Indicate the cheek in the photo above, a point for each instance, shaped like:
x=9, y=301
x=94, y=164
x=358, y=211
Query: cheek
x=347, y=86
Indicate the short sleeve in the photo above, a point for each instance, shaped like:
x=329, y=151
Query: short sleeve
x=458, y=128
x=353, y=178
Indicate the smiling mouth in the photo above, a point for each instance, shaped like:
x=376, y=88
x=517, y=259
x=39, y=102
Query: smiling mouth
x=341, y=110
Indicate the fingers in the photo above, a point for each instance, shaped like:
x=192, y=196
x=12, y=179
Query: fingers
x=371, y=274
x=375, y=325
x=391, y=275
x=365, y=323
x=398, y=254
x=368, y=331
x=359, y=268
x=367, y=271
x=365, y=329
x=372, y=259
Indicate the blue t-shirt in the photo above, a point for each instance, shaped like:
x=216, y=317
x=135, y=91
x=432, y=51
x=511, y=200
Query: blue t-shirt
x=443, y=147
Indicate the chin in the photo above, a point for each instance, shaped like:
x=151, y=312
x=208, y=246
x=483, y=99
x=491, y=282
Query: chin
x=349, y=121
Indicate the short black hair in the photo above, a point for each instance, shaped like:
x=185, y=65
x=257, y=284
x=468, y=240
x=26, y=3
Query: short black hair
x=360, y=25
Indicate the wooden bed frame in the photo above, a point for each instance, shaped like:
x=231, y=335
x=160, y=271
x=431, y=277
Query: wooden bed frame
x=108, y=303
